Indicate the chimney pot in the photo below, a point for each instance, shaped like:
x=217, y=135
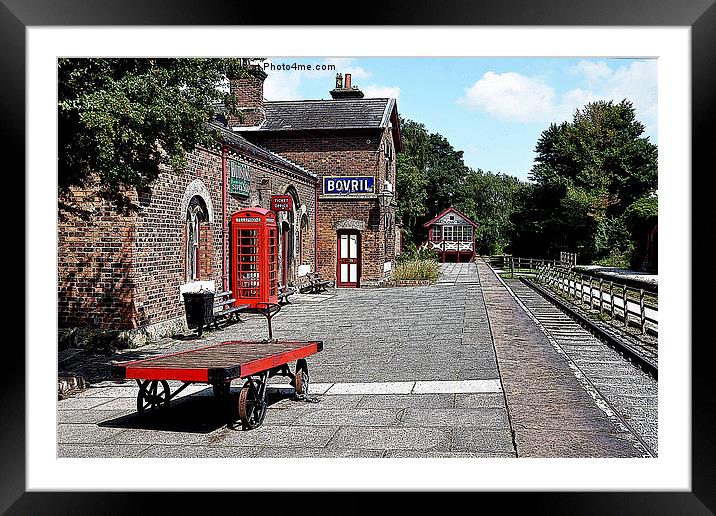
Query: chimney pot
x=339, y=81
x=348, y=81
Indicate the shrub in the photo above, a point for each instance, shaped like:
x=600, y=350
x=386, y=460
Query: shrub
x=416, y=269
x=616, y=258
x=412, y=254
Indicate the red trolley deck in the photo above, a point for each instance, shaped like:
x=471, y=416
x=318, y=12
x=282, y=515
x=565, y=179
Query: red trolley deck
x=219, y=362
x=218, y=365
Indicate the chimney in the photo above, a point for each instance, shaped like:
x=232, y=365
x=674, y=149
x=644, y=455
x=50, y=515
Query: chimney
x=248, y=89
x=345, y=91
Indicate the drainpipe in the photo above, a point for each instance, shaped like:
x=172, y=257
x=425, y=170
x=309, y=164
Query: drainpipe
x=315, y=232
x=224, y=275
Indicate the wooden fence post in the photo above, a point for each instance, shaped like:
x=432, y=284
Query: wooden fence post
x=591, y=296
x=643, y=312
x=601, y=294
x=626, y=307
x=611, y=299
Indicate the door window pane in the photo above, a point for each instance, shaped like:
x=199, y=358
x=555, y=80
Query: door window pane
x=353, y=248
x=344, y=246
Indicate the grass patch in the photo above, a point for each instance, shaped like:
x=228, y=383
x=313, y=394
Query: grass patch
x=416, y=269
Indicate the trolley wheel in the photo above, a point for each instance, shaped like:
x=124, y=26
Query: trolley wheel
x=252, y=408
x=151, y=397
x=302, y=376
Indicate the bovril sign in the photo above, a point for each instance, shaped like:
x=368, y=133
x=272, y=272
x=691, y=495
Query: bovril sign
x=348, y=185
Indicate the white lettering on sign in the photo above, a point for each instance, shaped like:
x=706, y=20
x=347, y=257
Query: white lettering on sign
x=348, y=185
x=248, y=219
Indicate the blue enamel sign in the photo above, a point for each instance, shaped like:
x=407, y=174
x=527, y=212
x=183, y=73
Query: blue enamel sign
x=348, y=185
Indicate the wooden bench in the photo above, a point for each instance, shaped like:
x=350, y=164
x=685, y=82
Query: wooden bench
x=303, y=284
x=318, y=283
x=283, y=292
x=224, y=308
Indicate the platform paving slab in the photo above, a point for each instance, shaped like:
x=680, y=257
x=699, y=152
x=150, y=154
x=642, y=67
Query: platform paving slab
x=162, y=451
x=349, y=417
x=282, y=436
x=456, y=418
x=430, y=439
x=409, y=454
x=482, y=440
x=331, y=453
x=99, y=451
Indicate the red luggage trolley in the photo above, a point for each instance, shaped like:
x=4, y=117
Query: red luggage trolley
x=218, y=365
x=254, y=264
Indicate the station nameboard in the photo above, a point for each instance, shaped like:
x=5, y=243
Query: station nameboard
x=281, y=203
x=348, y=185
x=239, y=178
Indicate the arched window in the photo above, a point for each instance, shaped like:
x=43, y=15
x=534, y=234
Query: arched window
x=196, y=213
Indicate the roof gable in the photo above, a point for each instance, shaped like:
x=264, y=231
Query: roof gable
x=450, y=216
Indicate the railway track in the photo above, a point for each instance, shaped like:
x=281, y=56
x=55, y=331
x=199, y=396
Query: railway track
x=630, y=391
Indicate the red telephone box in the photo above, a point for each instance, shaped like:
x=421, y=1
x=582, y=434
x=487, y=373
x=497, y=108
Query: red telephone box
x=254, y=264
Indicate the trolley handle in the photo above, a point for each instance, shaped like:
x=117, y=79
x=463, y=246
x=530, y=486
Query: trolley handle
x=268, y=310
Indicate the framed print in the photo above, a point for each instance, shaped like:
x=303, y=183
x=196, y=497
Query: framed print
x=666, y=43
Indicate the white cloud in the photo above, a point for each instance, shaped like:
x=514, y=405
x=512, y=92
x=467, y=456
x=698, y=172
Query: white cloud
x=374, y=91
x=511, y=96
x=593, y=71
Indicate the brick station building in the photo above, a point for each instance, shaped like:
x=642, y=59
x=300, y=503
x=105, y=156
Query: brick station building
x=126, y=273
x=122, y=276
x=350, y=142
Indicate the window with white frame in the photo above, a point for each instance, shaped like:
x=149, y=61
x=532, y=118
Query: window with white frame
x=195, y=214
x=448, y=233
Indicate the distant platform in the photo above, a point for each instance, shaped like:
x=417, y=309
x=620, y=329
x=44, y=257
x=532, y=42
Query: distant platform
x=637, y=279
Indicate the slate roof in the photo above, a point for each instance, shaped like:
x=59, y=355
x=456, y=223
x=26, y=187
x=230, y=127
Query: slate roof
x=327, y=114
x=253, y=150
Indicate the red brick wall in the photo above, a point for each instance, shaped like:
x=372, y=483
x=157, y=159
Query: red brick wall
x=342, y=153
x=249, y=93
x=123, y=272
x=96, y=273
x=160, y=246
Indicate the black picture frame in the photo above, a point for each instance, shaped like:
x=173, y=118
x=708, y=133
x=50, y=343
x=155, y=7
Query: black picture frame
x=700, y=15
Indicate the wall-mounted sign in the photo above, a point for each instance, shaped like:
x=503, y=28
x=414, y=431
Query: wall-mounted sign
x=281, y=203
x=339, y=185
x=239, y=178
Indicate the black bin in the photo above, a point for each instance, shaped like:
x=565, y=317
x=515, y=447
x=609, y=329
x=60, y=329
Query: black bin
x=199, y=308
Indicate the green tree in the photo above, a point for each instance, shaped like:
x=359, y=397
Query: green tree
x=120, y=120
x=587, y=172
x=446, y=173
x=490, y=200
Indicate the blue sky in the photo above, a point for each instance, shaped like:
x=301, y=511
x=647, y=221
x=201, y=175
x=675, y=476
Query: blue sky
x=493, y=109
